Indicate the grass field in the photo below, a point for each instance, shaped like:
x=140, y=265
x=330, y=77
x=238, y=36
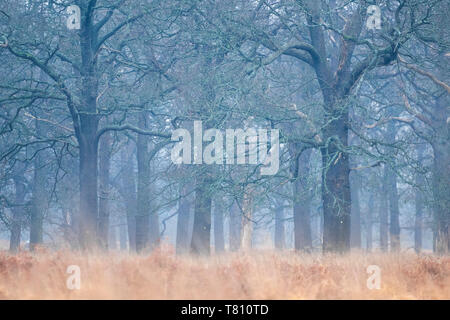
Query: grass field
x=253, y=275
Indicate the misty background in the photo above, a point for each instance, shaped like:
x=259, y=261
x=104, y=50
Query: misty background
x=86, y=118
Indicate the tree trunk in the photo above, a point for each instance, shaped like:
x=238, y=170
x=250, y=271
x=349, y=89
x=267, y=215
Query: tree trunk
x=336, y=186
x=419, y=202
x=383, y=212
x=154, y=232
x=320, y=213
x=394, y=225
x=246, y=220
x=441, y=195
x=302, y=205
x=18, y=214
x=355, y=235
x=104, y=168
x=234, y=227
x=87, y=136
x=219, y=242
x=279, y=228
x=418, y=222
x=88, y=191
x=184, y=214
x=441, y=172
x=441, y=150
x=143, y=189
x=123, y=233
x=147, y=222
x=369, y=222
x=201, y=232
x=336, y=87
x=39, y=201
x=128, y=191
x=112, y=238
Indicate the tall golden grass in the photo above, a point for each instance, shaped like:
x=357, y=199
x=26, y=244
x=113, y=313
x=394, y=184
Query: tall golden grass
x=252, y=275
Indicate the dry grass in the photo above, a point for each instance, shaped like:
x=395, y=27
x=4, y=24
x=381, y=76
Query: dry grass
x=255, y=275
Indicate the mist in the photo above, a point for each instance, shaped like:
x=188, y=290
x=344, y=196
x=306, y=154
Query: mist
x=264, y=140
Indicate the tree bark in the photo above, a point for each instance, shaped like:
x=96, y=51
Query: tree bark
x=143, y=189
x=123, y=233
x=247, y=220
x=419, y=202
x=104, y=168
x=441, y=149
x=39, y=201
x=336, y=87
x=128, y=191
x=355, y=236
x=279, y=228
x=441, y=195
x=383, y=212
x=184, y=214
x=219, y=241
x=87, y=136
x=201, y=232
x=336, y=186
x=441, y=173
x=302, y=204
x=394, y=225
x=88, y=191
x=112, y=238
x=234, y=227
x=154, y=231
x=369, y=222
x=18, y=214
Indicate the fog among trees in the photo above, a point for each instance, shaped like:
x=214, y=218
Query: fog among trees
x=87, y=118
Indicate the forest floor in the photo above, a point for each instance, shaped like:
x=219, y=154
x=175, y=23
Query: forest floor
x=253, y=275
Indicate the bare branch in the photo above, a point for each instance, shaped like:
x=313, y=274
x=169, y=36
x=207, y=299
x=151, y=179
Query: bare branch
x=425, y=73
